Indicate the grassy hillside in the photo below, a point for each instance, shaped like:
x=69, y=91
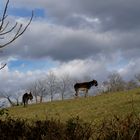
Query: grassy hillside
x=88, y=109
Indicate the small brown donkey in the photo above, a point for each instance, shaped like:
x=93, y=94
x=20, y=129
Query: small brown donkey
x=84, y=86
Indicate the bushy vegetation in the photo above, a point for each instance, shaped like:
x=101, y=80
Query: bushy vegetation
x=3, y=111
x=112, y=116
x=117, y=128
x=127, y=128
x=73, y=129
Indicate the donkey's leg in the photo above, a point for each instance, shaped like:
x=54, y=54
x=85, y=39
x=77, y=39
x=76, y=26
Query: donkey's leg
x=76, y=94
x=24, y=104
x=23, y=100
x=86, y=93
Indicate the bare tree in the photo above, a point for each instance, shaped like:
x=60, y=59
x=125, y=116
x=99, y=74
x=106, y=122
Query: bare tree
x=9, y=99
x=64, y=85
x=7, y=30
x=51, y=84
x=41, y=89
x=7, y=95
x=137, y=76
x=131, y=84
x=34, y=90
x=115, y=82
x=38, y=89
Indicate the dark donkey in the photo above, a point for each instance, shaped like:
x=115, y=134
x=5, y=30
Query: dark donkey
x=84, y=86
x=26, y=97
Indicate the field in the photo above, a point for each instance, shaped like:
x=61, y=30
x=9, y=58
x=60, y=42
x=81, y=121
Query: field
x=89, y=109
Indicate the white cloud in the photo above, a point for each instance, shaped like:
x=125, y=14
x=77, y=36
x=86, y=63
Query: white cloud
x=81, y=68
x=130, y=70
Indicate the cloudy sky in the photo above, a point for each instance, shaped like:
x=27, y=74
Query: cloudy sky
x=79, y=37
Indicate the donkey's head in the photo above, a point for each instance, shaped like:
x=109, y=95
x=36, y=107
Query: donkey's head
x=30, y=96
x=95, y=83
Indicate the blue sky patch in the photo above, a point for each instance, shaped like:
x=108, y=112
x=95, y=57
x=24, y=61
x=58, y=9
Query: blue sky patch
x=23, y=12
x=118, y=65
x=26, y=65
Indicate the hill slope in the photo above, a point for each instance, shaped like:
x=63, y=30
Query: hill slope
x=89, y=109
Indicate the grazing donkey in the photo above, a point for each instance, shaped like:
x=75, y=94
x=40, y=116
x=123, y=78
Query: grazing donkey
x=26, y=97
x=84, y=86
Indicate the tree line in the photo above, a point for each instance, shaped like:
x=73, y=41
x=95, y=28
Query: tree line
x=115, y=83
x=53, y=87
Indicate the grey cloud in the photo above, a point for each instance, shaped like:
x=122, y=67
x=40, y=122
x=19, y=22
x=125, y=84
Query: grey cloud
x=128, y=43
x=114, y=15
x=75, y=47
x=44, y=40
x=61, y=43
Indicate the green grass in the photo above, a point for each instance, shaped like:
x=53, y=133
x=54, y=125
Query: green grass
x=89, y=109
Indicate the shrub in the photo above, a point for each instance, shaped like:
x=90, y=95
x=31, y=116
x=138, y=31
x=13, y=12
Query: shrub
x=76, y=129
x=3, y=111
x=17, y=129
x=127, y=128
x=117, y=128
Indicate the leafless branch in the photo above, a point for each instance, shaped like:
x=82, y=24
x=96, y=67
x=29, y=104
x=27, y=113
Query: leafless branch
x=3, y=66
x=3, y=26
x=4, y=15
x=2, y=31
